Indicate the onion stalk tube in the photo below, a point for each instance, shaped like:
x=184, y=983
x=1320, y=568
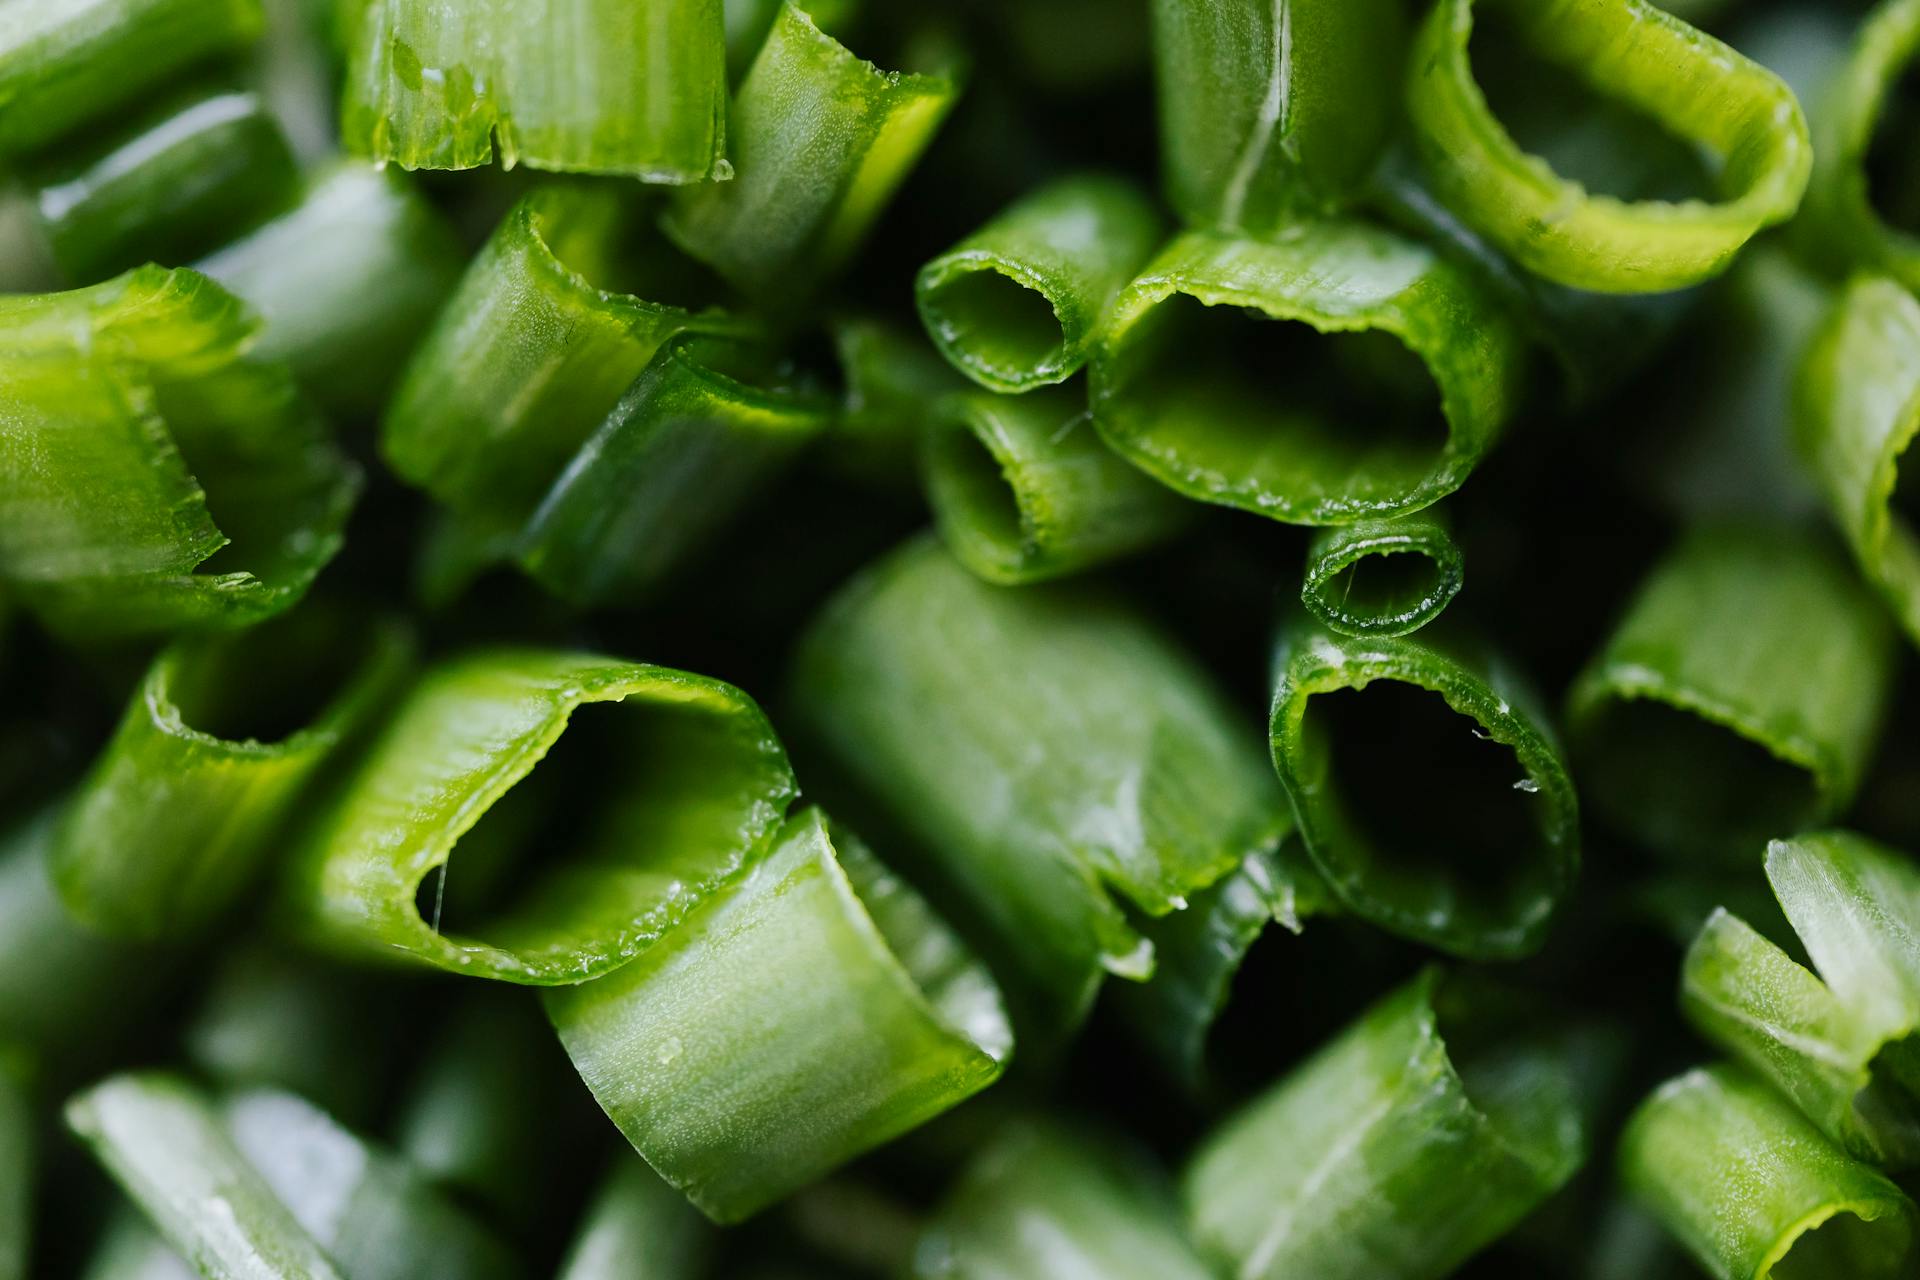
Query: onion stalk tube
x=636, y=1219
x=1023, y=488
x=580, y=86
x=1382, y=577
x=1044, y=749
x=1015, y=305
x=1737, y=112
x=809, y=1010
x=1754, y=1191
x=1495, y=845
x=696, y=782
x=821, y=139
x=1425, y=1131
x=216, y=746
x=1738, y=699
x=1332, y=374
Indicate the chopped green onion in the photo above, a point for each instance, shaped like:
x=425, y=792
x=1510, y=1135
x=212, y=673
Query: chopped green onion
x=1739, y=698
x=811, y=1009
x=1487, y=854
x=1693, y=86
x=702, y=785
x=637, y=1228
x=1389, y=374
x=215, y=748
x=1754, y=1191
x=1014, y=306
x=579, y=86
x=1269, y=110
x=16, y=1177
x=1024, y=489
x=891, y=380
x=820, y=141
x=1382, y=577
x=1422, y=1133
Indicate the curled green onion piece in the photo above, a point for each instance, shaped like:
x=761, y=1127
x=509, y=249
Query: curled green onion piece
x=637, y=1220
x=1014, y=306
x=215, y=748
x=1692, y=85
x=66, y=64
x=820, y=141
x=1419, y=1135
x=1044, y=748
x=1757, y=1193
x=1332, y=373
x=702, y=431
x=16, y=1176
x=1024, y=489
x=813, y=1008
x=526, y=360
x=1269, y=110
x=346, y=282
x=228, y=496
x=1382, y=577
x=1739, y=698
x=1495, y=846
x=1041, y=1202
x=702, y=784
x=166, y=187
x=581, y=86
x=1836, y=1045
x=1857, y=412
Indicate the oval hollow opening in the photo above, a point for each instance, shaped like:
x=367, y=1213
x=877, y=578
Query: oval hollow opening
x=1513, y=1069
x=269, y=682
x=1248, y=404
x=996, y=324
x=1686, y=784
x=1846, y=1245
x=1424, y=812
x=1383, y=586
x=1893, y=177
x=976, y=494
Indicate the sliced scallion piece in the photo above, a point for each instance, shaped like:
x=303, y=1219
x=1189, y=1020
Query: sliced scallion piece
x=637, y=1220
x=1014, y=306
x=1334, y=373
x=811, y=1009
x=1382, y=577
x=1737, y=112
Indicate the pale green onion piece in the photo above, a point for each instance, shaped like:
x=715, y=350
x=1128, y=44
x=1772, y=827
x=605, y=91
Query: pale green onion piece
x=1382, y=577
x=637, y=1228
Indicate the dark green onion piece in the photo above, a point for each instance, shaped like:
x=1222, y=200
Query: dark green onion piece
x=1696, y=88
x=696, y=783
x=1754, y=1191
x=1046, y=748
x=136, y=388
x=1024, y=489
x=581, y=86
x=166, y=187
x=808, y=1011
x=1041, y=1203
x=346, y=281
x=1382, y=577
x=1419, y=1135
x=186, y=802
x=637, y=1228
x=1739, y=698
x=1270, y=110
x=68, y=63
x=1837, y=1044
x=1014, y=306
x=820, y=140
x=16, y=1176
x=1490, y=847
x=701, y=432
x=1389, y=373
x=1857, y=412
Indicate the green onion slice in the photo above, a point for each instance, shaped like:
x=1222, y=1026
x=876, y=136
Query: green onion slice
x=638, y=1228
x=1754, y=1191
x=579, y=86
x=136, y=388
x=1696, y=88
x=1024, y=489
x=1738, y=699
x=1489, y=849
x=821, y=139
x=1014, y=306
x=1422, y=1133
x=1329, y=374
x=1382, y=577
x=698, y=784
x=808, y=1011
